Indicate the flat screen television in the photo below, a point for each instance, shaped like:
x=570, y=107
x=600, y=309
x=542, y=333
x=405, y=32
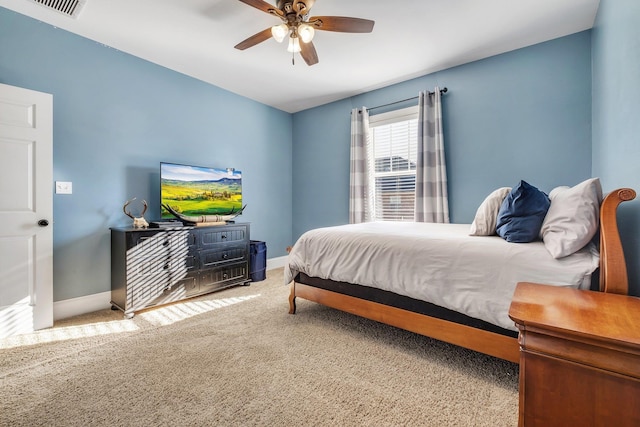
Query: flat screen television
x=196, y=190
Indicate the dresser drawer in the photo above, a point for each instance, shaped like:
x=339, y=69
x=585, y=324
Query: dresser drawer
x=143, y=266
x=154, y=239
x=176, y=291
x=214, y=236
x=224, y=276
x=216, y=257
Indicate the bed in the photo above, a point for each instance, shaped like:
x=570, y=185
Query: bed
x=437, y=280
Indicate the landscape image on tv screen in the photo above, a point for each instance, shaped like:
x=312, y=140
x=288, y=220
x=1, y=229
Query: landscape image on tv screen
x=194, y=190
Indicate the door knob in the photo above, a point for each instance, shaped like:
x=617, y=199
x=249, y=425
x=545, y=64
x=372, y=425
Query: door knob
x=43, y=223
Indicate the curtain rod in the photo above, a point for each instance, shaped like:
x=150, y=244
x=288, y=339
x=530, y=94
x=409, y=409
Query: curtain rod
x=443, y=90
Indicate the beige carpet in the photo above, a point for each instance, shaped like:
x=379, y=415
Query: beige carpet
x=237, y=358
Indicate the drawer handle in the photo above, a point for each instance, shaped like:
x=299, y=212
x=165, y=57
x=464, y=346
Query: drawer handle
x=225, y=256
x=224, y=236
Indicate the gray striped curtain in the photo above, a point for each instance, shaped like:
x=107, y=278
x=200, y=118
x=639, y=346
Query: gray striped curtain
x=360, y=199
x=432, y=201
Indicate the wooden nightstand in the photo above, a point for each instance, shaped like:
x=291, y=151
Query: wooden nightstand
x=579, y=357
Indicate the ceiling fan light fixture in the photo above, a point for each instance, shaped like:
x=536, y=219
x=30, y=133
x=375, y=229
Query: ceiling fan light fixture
x=279, y=32
x=294, y=45
x=306, y=32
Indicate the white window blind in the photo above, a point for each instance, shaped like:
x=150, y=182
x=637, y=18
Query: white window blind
x=393, y=172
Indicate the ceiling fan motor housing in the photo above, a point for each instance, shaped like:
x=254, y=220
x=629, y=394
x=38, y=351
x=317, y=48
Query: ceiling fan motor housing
x=286, y=6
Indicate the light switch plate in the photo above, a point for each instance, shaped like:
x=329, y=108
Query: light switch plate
x=64, y=187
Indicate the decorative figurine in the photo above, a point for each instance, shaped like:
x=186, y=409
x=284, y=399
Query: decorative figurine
x=138, y=222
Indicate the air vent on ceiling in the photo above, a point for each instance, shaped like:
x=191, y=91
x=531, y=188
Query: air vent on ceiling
x=70, y=8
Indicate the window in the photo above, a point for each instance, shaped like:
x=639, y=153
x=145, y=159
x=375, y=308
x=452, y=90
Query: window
x=394, y=137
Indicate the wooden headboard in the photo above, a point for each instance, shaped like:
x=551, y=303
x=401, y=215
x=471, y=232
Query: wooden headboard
x=613, y=268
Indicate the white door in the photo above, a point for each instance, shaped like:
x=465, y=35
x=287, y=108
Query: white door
x=26, y=210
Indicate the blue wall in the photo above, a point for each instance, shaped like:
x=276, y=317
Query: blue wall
x=525, y=114
x=616, y=113
x=115, y=118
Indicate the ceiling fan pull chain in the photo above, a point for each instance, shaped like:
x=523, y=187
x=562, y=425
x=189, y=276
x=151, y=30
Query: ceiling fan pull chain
x=293, y=58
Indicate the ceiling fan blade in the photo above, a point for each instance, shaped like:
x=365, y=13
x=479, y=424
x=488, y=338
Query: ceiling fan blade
x=308, y=53
x=263, y=6
x=303, y=6
x=254, y=39
x=341, y=24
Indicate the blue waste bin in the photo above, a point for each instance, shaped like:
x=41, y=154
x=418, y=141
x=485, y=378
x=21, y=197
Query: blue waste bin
x=257, y=261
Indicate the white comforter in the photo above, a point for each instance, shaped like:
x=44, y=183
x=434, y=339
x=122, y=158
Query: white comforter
x=438, y=263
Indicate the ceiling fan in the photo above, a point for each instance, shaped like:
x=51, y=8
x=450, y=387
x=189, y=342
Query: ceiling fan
x=300, y=28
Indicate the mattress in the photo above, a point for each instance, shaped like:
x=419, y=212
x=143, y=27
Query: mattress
x=437, y=263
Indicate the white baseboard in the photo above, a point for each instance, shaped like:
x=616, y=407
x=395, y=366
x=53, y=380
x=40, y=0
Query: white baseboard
x=94, y=302
x=276, y=262
x=81, y=305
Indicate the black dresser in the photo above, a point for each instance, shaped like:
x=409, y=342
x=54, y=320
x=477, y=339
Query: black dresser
x=160, y=265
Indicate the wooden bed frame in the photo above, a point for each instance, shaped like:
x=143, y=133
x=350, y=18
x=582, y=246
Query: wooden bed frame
x=498, y=342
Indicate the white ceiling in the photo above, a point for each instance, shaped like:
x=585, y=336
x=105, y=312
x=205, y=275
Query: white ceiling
x=411, y=38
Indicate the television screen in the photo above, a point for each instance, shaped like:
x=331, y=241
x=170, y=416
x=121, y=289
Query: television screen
x=194, y=190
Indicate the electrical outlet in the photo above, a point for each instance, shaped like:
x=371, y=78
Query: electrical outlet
x=64, y=187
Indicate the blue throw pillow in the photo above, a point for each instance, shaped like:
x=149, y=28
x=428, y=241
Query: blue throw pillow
x=521, y=214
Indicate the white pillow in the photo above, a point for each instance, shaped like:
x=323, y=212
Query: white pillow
x=556, y=190
x=553, y=194
x=573, y=217
x=484, y=223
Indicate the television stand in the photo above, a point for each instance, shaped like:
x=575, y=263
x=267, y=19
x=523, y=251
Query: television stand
x=156, y=266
